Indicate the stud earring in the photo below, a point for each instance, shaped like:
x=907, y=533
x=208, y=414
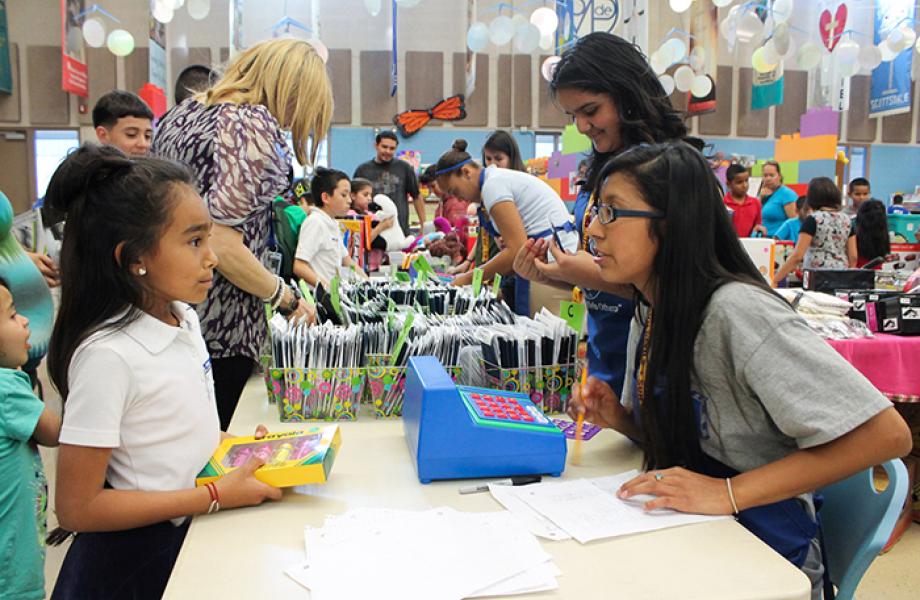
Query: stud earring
x=142, y=271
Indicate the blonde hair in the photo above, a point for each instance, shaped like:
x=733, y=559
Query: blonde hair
x=287, y=77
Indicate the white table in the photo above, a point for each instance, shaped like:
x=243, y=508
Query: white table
x=242, y=553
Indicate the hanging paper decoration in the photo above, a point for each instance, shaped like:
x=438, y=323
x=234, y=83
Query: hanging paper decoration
x=832, y=26
x=704, y=40
x=411, y=121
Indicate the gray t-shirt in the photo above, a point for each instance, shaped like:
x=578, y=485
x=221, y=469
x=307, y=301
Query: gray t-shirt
x=768, y=385
x=396, y=180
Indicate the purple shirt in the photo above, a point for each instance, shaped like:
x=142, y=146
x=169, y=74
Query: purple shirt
x=241, y=163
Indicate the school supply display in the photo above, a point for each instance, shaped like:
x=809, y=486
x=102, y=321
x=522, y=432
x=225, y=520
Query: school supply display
x=459, y=432
x=534, y=356
x=291, y=458
x=826, y=315
x=422, y=555
x=589, y=509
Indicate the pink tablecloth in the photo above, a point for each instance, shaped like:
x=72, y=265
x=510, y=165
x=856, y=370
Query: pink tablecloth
x=890, y=362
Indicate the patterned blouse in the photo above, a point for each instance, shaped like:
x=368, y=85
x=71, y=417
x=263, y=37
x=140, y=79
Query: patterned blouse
x=241, y=162
x=830, y=231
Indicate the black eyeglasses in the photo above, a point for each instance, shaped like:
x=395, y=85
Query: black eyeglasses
x=608, y=214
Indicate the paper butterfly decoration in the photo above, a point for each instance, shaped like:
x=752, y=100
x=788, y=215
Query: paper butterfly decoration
x=411, y=121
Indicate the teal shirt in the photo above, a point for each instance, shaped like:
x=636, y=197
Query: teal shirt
x=23, y=491
x=789, y=230
x=773, y=212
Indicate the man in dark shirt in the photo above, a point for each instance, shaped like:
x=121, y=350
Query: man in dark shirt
x=393, y=178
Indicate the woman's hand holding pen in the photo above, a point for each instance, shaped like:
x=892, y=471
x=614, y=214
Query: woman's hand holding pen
x=679, y=489
x=525, y=262
x=599, y=404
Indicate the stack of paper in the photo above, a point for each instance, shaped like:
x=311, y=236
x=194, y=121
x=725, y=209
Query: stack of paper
x=431, y=555
x=587, y=509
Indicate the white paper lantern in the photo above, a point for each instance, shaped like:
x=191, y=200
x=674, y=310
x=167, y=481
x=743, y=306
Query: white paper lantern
x=770, y=54
x=548, y=42
x=93, y=33
x=847, y=52
x=477, y=38
x=407, y=3
x=548, y=68
x=373, y=7
x=659, y=62
x=698, y=59
x=888, y=53
x=527, y=39
x=808, y=56
x=869, y=57
x=321, y=49
x=163, y=11
x=761, y=62
x=667, y=82
x=781, y=39
x=679, y=6
x=729, y=24
x=782, y=10
x=909, y=35
x=683, y=78
x=501, y=30
x=701, y=86
x=722, y=3
x=545, y=19
x=519, y=21
x=177, y=4
x=120, y=42
x=675, y=49
x=901, y=39
x=749, y=27
x=199, y=9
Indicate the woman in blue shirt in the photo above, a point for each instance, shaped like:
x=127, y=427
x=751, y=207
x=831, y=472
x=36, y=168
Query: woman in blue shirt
x=613, y=96
x=777, y=200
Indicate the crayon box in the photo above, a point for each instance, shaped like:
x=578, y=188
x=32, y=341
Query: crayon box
x=291, y=457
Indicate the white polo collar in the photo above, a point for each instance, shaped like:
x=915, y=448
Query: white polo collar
x=155, y=335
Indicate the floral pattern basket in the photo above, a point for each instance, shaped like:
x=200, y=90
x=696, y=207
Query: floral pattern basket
x=549, y=388
x=386, y=385
x=324, y=394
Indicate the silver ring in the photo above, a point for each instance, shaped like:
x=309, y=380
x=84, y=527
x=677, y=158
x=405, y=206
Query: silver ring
x=659, y=476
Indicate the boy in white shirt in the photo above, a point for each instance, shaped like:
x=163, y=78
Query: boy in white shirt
x=320, y=249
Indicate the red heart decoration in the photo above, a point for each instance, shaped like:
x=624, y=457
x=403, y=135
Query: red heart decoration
x=832, y=28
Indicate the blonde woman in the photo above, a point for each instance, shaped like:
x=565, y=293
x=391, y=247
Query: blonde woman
x=232, y=137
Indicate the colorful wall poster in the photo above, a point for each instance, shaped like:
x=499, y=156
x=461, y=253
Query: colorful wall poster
x=74, y=78
x=891, y=84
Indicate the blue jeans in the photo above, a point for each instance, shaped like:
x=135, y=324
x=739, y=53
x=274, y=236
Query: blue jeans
x=134, y=564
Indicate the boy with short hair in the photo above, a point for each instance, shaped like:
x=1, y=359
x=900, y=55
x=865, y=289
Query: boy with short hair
x=897, y=206
x=858, y=192
x=745, y=208
x=123, y=120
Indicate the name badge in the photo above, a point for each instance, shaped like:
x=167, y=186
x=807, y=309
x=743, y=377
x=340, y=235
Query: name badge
x=207, y=366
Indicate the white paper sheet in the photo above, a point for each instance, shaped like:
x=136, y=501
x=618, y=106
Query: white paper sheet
x=591, y=511
x=536, y=523
x=430, y=555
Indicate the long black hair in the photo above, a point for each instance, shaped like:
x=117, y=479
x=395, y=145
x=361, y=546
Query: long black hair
x=698, y=252
x=115, y=206
x=602, y=63
x=872, y=230
x=502, y=141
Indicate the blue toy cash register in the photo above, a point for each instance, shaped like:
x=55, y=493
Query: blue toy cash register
x=460, y=432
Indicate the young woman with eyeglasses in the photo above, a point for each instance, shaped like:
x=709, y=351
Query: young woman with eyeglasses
x=738, y=406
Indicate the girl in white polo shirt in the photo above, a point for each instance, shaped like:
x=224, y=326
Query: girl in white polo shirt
x=128, y=358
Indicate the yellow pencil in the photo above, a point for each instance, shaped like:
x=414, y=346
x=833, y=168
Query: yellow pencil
x=580, y=420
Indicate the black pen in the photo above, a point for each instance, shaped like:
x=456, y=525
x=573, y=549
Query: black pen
x=522, y=480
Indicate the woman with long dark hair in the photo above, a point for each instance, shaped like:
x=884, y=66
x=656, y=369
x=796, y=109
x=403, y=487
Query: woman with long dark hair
x=607, y=87
x=871, y=232
x=739, y=407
